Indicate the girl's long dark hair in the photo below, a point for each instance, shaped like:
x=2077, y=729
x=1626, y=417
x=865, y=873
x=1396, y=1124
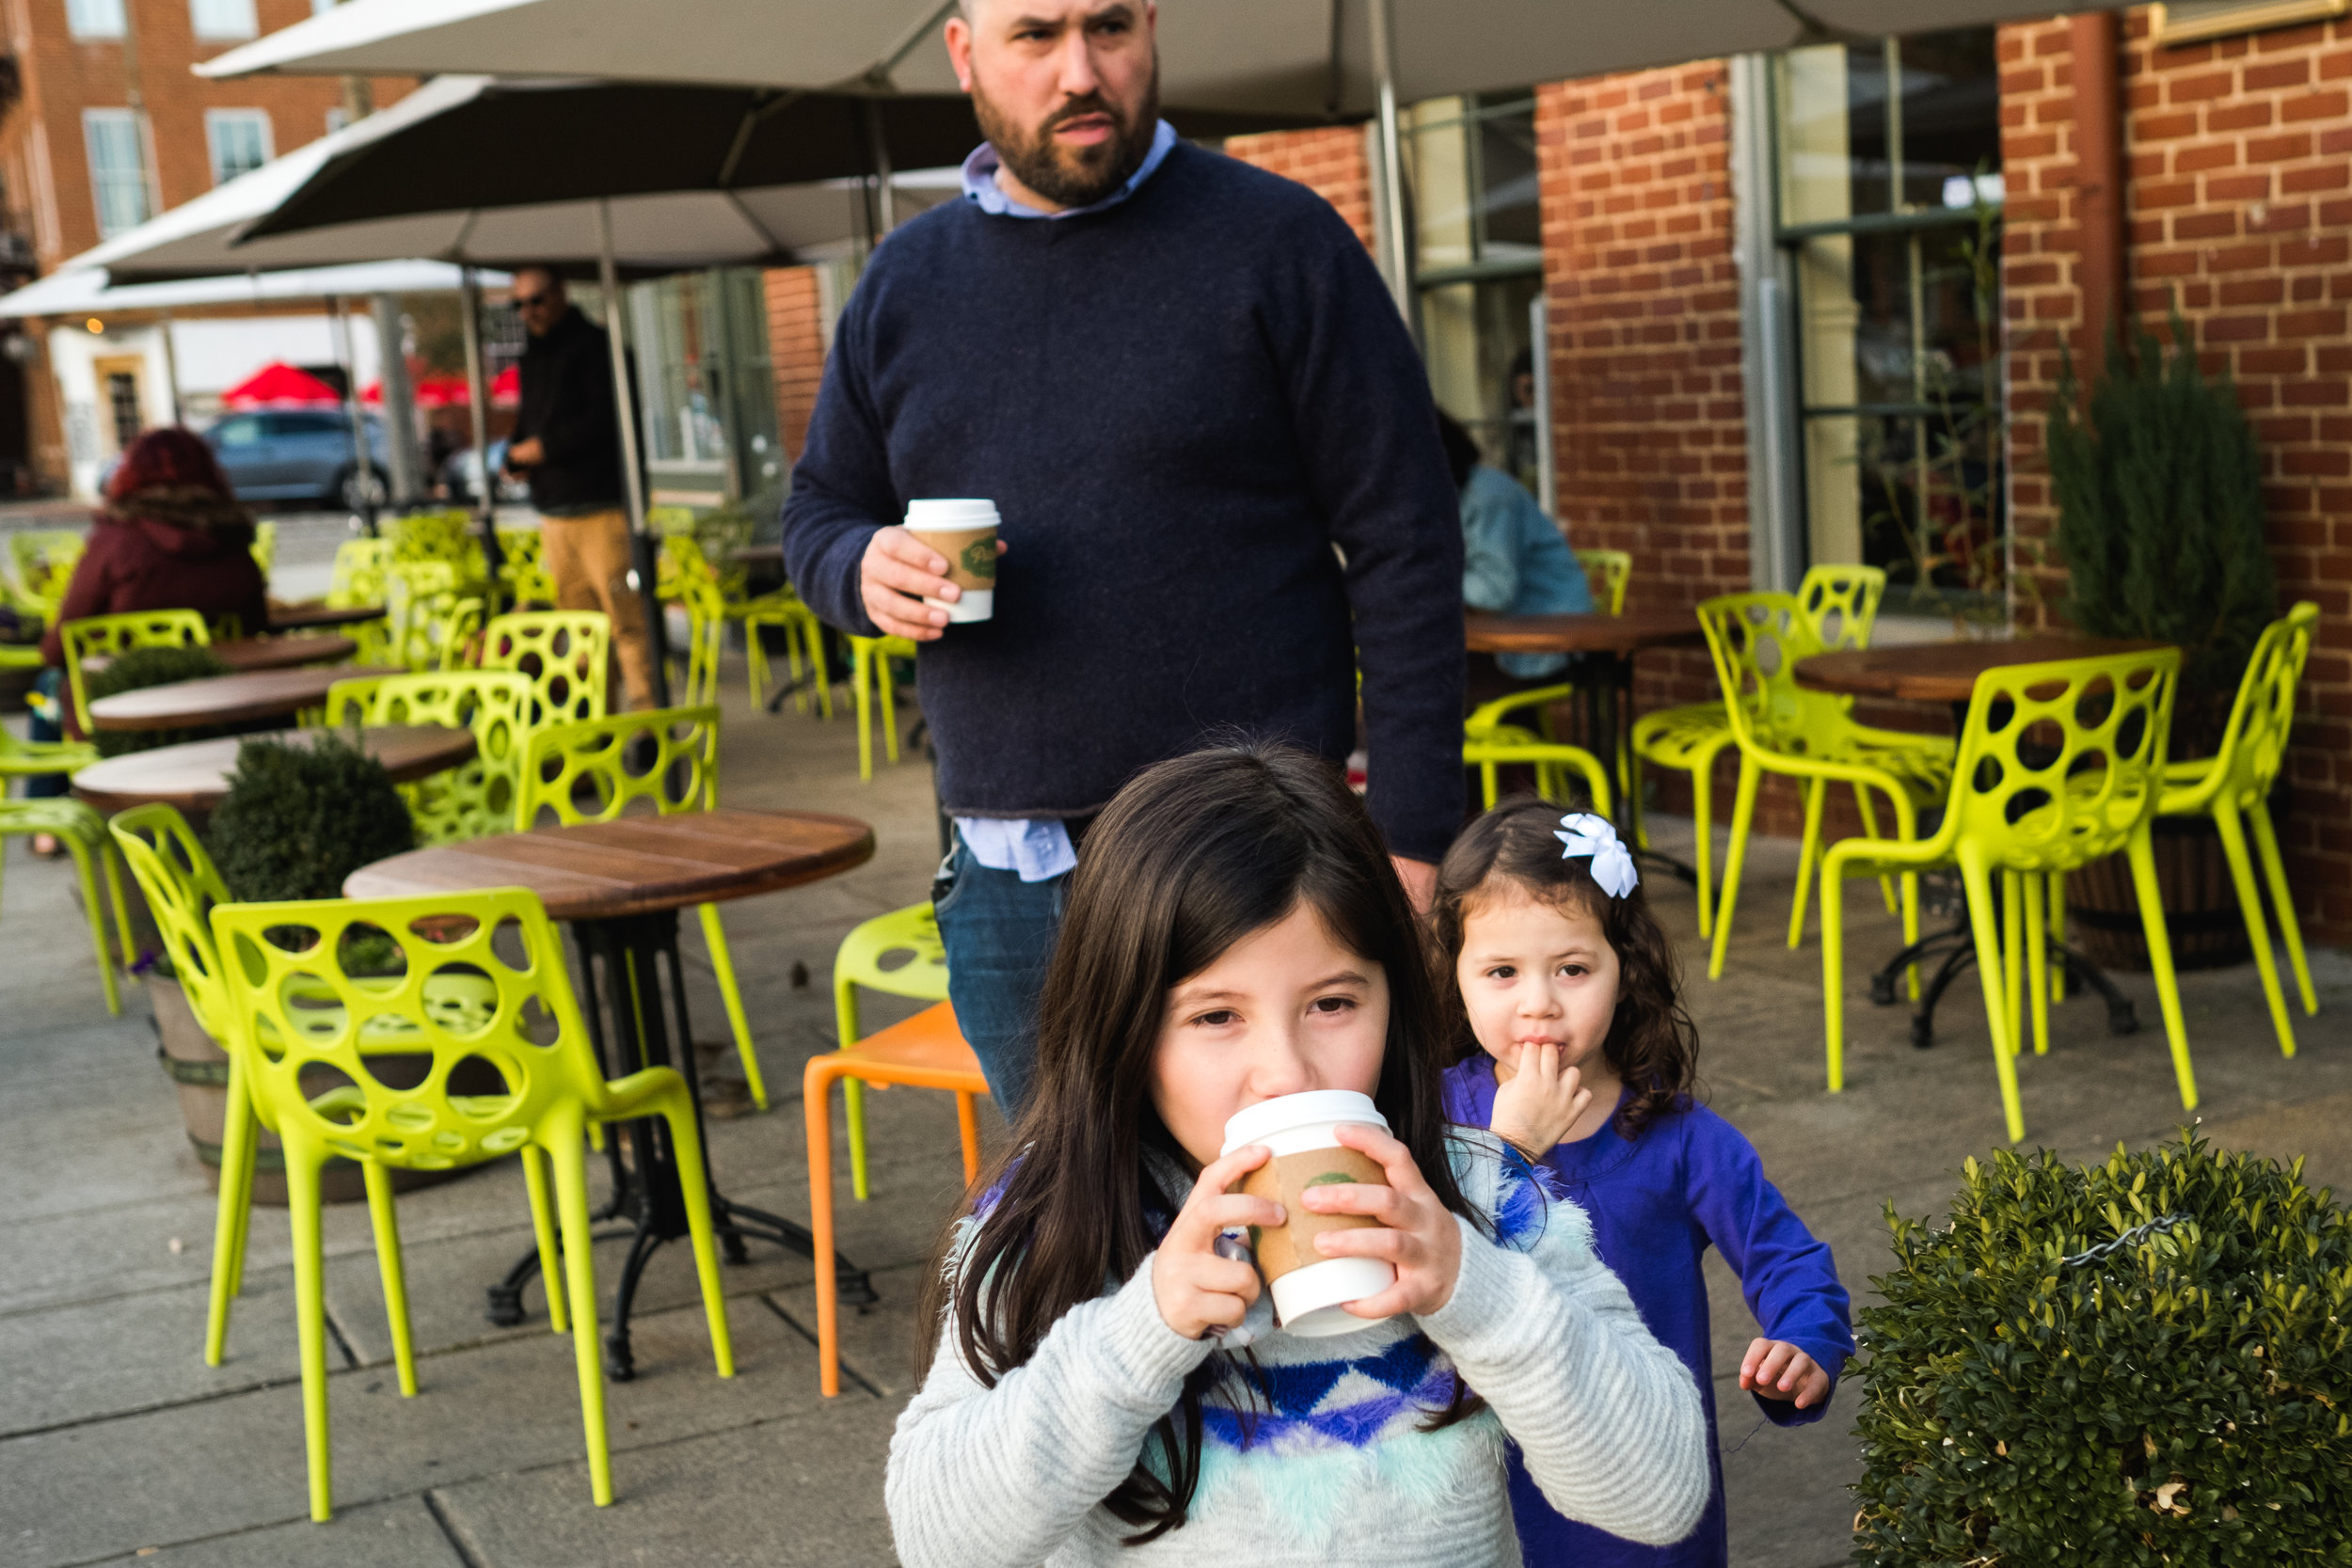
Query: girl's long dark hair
x=1652, y=1043
x=1192, y=856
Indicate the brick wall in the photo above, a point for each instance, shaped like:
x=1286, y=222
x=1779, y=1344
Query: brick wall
x=1329, y=162
x=2238, y=207
x=796, y=351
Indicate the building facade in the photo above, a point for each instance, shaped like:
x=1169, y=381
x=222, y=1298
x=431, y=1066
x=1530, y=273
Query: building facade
x=103, y=125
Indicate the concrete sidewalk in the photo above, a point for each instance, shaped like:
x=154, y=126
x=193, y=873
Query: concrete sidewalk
x=118, y=1444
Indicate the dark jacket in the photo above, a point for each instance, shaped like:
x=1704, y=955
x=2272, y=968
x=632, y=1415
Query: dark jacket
x=167, y=549
x=1179, y=404
x=567, y=404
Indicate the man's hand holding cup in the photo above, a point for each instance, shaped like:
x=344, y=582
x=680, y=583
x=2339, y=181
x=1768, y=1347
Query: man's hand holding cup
x=940, y=566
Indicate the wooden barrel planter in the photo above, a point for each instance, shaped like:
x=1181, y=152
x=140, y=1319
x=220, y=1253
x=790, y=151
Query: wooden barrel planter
x=198, y=1068
x=2201, y=908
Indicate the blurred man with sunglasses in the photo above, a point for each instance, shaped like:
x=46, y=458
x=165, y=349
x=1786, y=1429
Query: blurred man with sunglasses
x=567, y=443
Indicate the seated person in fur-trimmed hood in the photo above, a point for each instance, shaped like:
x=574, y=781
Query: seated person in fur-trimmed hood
x=170, y=536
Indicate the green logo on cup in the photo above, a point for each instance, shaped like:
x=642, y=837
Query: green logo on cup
x=1332, y=1178
x=979, y=559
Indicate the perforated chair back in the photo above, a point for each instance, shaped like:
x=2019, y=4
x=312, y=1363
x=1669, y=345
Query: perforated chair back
x=2254, y=747
x=119, y=634
x=360, y=573
x=182, y=886
x=1608, y=573
x=584, y=772
x=2061, y=762
x=1841, y=604
x=565, y=652
x=477, y=797
x=1756, y=640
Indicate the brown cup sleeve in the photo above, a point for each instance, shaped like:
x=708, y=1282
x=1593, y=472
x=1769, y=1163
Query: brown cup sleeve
x=970, y=553
x=1284, y=1179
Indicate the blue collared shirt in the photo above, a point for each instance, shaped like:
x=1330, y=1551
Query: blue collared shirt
x=980, y=188
x=1038, y=848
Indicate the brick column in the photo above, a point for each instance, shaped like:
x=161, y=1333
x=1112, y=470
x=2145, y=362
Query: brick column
x=796, y=352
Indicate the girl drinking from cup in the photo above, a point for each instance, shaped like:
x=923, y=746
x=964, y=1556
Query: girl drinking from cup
x=1576, y=1052
x=1109, y=1383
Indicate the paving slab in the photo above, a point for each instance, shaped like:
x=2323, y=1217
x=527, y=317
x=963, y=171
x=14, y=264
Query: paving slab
x=199, y=1470
x=801, y=1491
x=92, y=1360
x=402, y=1533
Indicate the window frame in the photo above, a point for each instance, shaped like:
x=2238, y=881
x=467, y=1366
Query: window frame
x=216, y=119
x=251, y=22
x=78, y=14
x=101, y=181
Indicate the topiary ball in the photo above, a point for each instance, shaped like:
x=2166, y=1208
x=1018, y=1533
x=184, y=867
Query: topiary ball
x=2148, y=1361
x=298, y=819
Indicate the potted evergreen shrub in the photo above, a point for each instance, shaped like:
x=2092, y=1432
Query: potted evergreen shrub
x=2148, y=1361
x=2158, y=483
x=295, y=821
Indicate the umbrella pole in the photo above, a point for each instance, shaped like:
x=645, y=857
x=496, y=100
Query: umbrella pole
x=632, y=477
x=1390, y=173
x=362, y=461
x=478, y=408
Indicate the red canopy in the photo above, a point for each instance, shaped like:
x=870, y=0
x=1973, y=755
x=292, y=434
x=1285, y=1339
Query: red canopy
x=506, y=388
x=450, y=392
x=281, y=386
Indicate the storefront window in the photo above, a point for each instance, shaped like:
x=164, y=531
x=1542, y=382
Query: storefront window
x=706, y=392
x=1888, y=216
x=1478, y=264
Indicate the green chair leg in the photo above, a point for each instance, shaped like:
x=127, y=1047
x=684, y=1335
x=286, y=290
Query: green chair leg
x=302, y=1213
x=2233, y=830
x=2282, y=900
x=1742, y=812
x=852, y=1092
x=1809, y=855
x=543, y=1231
x=694, y=1188
x=579, y=1281
x=386, y=1224
x=861, y=681
x=1703, y=849
x=888, y=687
x=1870, y=830
x=2143, y=857
x=1979, y=882
x=723, y=965
x=2037, y=961
x=2013, y=956
x=1834, y=967
x=236, y=1166
x=97, y=921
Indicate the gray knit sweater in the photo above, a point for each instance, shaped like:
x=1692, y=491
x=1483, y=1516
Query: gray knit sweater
x=1329, y=1465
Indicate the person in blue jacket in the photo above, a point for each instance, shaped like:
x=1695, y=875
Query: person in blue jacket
x=1576, y=1052
x=1515, y=560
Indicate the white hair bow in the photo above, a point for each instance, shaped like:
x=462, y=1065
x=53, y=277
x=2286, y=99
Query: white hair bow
x=1613, y=863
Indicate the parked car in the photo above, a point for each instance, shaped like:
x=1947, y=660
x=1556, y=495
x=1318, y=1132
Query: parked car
x=458, y=475
x=294, y=454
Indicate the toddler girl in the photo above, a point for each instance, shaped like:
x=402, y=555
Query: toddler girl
x=1576, y=1051
x=1108, y=1385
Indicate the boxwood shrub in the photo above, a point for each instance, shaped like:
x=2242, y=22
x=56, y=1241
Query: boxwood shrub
x=296, y=820
x=2034, y=1393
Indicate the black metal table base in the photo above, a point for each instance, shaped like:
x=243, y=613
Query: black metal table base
x=622, y=961
x=1958, y=943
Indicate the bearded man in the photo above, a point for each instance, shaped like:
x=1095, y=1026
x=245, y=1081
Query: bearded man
x=1216, y=463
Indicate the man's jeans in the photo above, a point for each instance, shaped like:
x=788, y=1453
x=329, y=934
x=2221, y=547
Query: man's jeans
x=999, y=934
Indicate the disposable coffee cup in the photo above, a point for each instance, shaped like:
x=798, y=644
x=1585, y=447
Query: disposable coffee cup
x=1300, y=1130
x=965, y=532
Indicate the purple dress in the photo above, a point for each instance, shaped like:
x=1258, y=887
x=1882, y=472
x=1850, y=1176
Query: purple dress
x=1689, y=1181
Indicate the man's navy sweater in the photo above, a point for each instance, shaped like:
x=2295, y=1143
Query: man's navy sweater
x=1179, y=405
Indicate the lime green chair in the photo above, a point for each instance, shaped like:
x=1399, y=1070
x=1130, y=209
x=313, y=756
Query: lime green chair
x=278, y=958
x=43, y=562
x=358, y=574
x=265, y=548
x=107, y=635
x=446, y=537
x=1756, y=641
x=1608, y=573
x=83, y=833
x=477, y=797
x=565, y=652
x=563, y=762
x=524, y=573
x=432, y=615
x=2233, y=787
x=1841, y=605
x=869, y=669
x=803, y=637
x=898, y=954
x=28, y=759
x=2060, y=764
x=1507, y=746
x=706, y=637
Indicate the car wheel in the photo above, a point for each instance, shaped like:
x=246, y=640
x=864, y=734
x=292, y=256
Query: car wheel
x=356, y=493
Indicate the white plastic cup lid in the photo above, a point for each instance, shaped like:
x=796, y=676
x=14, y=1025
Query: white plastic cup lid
x=951, y=513
x=1261, y=1121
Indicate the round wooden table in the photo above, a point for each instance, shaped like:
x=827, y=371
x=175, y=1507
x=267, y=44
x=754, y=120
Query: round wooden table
x=317, y=613
x=223, y=699
x=1945, y=671
x=195, y=776
x=620, y=884
x=757, y=554
x=244, y=654
x=1622, y=636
